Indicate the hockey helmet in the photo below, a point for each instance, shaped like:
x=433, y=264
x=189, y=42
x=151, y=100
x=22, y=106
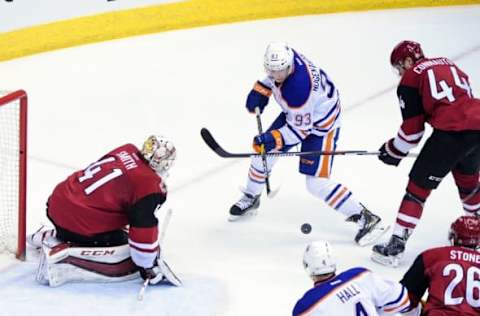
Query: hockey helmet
x=318, y=258
x=160, y=153
x=465, y=231
x=278, y=61
x=406, y=49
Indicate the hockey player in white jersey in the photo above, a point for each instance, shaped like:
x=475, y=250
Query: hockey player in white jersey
x=310, y=117
x=356, y=291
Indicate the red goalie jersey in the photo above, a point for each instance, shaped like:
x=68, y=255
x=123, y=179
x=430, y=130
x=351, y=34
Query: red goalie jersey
x=119, y=189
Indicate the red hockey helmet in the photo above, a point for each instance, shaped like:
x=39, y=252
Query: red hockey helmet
x=406, y=49
x=465, y=231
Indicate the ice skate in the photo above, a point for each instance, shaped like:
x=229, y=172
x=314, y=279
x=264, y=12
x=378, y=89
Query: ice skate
x=246, y=206
x=371, y=227
x=391, y=253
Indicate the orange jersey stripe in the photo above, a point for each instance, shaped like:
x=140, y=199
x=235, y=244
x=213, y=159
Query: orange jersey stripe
x=330, y=121
x=338, y=196
x=325, y=161
x=404, y=304
x=257, y=176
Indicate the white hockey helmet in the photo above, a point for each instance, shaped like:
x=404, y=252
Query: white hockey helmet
x=278, y=61
x=318, y=258
x=160, y=153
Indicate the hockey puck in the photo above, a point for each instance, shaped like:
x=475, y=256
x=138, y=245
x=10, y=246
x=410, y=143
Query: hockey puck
x=306, y=228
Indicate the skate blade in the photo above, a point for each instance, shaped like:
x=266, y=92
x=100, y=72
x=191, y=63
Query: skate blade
x=245, y=216
x=389, y=261
x=375, y=234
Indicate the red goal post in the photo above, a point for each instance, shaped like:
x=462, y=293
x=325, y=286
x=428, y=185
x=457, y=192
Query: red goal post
x=13, y=172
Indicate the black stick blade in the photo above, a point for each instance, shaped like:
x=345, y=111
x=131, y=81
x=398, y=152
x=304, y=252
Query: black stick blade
x=212, y=143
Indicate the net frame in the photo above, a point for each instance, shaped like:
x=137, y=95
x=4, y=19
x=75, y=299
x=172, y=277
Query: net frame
x=6, y=99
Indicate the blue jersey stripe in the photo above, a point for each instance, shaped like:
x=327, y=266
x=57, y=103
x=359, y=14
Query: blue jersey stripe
x=328, y=114
x=343, y=200
x=333, y=192
x=398, y=299
x=294, y=132
x=259, y=171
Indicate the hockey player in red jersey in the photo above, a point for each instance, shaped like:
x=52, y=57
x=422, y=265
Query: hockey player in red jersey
x=436, y=91
x=451, y=273
x=104, y=217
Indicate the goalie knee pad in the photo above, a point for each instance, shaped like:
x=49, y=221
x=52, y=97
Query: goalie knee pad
x=64, y=263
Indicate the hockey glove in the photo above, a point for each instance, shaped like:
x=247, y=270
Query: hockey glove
x=389, y=154
x=154, y=274
x=268, y=141
x=258, y=97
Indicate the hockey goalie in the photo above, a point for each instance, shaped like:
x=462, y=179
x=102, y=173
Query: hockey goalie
x=106, y=229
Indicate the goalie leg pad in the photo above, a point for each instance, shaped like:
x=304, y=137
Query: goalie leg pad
x=65, y=263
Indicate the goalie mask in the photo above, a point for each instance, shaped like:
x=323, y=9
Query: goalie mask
x=465, y=231
x=160, y=154
x=278, y=61
x=318, y=258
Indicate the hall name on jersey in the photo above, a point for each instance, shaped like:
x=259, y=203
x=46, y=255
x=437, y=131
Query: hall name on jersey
x=127, y=160
x=345, y=294
x=429, y=63
x=464, y=256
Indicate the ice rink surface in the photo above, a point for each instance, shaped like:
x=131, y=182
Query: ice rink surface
x=85, y=101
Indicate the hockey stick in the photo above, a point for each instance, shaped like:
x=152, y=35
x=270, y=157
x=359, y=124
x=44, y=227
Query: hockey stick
x=166, y=221
x=212, y=143
x=264, y=158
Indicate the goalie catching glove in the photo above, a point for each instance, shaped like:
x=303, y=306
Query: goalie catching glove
x=153, y=274
x=160, y=272
x=268, y=141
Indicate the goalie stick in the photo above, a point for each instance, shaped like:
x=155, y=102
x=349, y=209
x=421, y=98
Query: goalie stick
x=166, y=221
x=212, y=143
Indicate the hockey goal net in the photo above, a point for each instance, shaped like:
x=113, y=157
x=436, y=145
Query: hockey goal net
x=13, y=172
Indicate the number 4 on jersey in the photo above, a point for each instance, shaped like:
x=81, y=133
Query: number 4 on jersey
x=445, y=90
x=93, y=169
x=360, y=310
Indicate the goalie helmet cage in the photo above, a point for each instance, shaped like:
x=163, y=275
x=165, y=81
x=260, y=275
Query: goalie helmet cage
x=13, y=172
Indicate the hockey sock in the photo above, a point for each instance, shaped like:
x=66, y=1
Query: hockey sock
x=469, y=190
x=334, y=194
x=257, y=175
x=411, y=208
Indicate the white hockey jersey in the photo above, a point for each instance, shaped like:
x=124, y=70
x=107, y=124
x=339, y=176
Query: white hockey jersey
x=355, y=292
x=308, y=98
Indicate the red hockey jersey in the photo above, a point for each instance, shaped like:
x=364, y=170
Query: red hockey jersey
x=452, y=276
x=119, y=189
x=436, y=91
